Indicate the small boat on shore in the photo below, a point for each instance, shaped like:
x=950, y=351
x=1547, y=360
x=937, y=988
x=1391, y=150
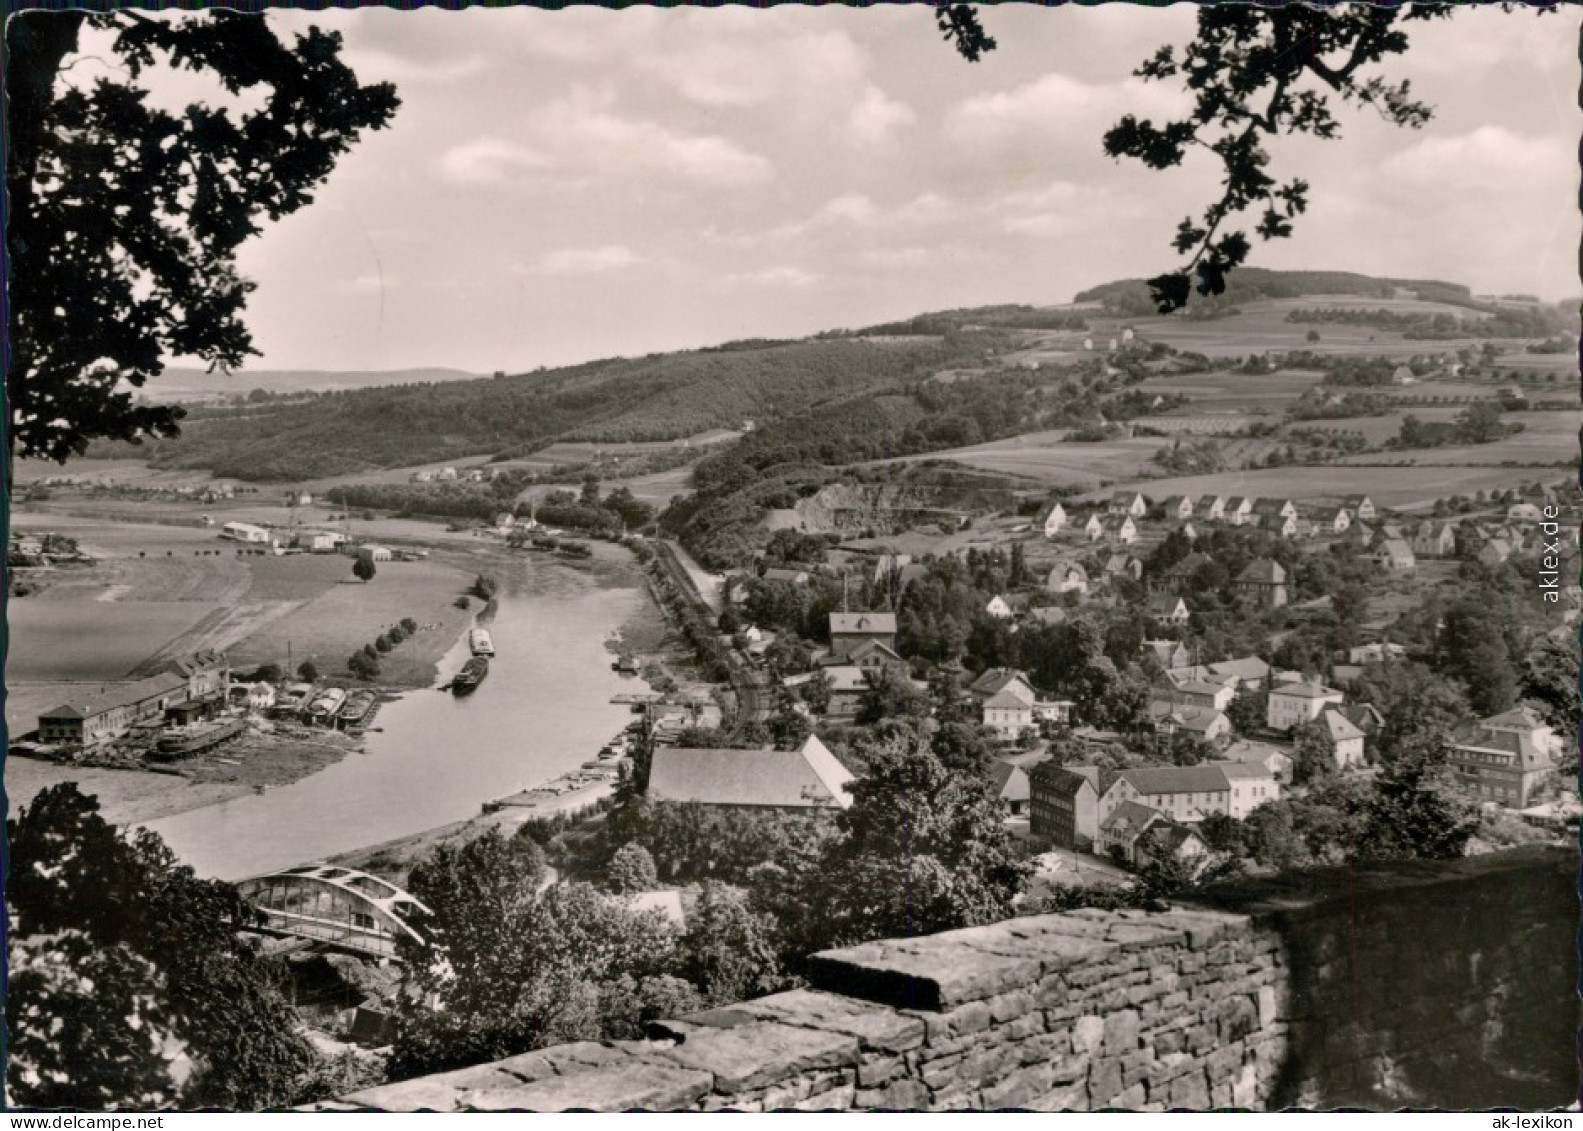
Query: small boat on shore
x=478, y=640
x=471, y=675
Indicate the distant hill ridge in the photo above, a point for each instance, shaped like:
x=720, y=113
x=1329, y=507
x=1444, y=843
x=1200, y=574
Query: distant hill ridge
x=428, y=416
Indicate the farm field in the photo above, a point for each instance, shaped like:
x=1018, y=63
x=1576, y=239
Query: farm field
x=1406, y=488
x=1044, y=457
x=1223, y=390
x=1262, y=327
x=1547, y=438
x=91, y=640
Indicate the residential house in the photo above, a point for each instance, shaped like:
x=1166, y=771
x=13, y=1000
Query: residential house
x=874, y=655
x=1168, y=608
x=260, y=696
x=446, y=474
x=848, y=630
x=1180, y=572
x=1345, y=736
x=1211, y=508
x=848, y=684
x=1366, y=717
x=1402, y=375
x=324, y=542
x=1524, y=512
x=375, y=553
x=1067, y=578
x=790, y=576
x=1505, y=759
x=995, y=680
x=1293, y=704
x=1136, y=833
x=999, y=608
x=1172, y=717
x=1264, y=580
x=1378, y=652
x=1179, y=507
x=1122, y=530
x=1239, y=510
x=1246, y=671
x=108, y=713
x=1395, y=555
x=1010, y=784
x=1361, y=506
x=807, y=778
x=1249, y=784
x=207, y=672
x=1183, y=793
x=1064, y=805
x=1330, y=520
x=1123, y=565
x=1434, y=539
x=1008, y=714
x=1270, y=758
x=1199, y=692
x=1094, y=528
x=1128, y=503
x=1052, y=520
x=1171, y=654
x=1053, y=710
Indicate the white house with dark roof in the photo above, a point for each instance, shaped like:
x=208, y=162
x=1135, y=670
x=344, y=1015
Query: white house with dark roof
x=1178, y=507
x=1000, y=608
x=1395, y=555
x=1345, y=736
x=1122, y=530
x=1361, y=506
x=1053, y=519
x=1211, y=508
x=1128, y=503
x=1293, y=704
x=809, y=777
x=1239, y=510
x=1094, y=528
x=1168, y=608
x=1171, y=716
x=1505, y=758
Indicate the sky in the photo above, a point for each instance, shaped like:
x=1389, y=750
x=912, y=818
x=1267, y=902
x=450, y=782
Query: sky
x=561, y=186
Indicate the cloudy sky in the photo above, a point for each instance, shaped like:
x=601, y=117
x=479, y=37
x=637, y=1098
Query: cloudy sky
x=559, y=186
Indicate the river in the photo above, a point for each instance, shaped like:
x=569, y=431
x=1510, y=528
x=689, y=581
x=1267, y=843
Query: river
x=543, y=710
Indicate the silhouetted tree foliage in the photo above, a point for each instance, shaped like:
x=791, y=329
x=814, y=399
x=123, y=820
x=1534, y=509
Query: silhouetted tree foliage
x=125, y=219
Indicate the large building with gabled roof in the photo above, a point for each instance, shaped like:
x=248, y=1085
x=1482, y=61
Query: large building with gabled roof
x=807, y=778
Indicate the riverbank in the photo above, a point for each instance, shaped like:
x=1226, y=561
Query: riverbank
x=251, y=764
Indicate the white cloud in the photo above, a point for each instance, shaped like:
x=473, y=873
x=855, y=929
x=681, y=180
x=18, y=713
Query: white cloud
x=780, y=276
x=588, y=260
x=1036, y=111
x=374, y=65
x=877, y=117
x=487, y=160
x=1489, y=155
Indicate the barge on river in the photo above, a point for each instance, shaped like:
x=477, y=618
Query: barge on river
x=480, y=643
x=322, y=711
x=471, y=675
x=359, y=708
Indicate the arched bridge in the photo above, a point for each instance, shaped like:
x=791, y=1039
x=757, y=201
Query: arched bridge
x=338, y=907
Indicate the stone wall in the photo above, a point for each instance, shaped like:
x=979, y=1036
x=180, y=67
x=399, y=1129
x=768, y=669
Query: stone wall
x=1079, y=1011
x=1452, y=985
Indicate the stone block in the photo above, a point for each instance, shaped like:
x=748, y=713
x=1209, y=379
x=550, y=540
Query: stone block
x=1190, y=963
x=1068, y=1097
x=1236, y=1018
x=1023, y=1087
x=1133, y=1098
x=1173, y=1041
x=1137, y=936
x=1087, y=1032
x=1104, y=1081
x=1135, y=1066
x=426, y=1093
x=1021, y=1028
x=1189, y=1091
x=960, y=1098
x=876, y=1027
x=939, y=1073
x=1245, y=1088
x=1269, y=1003
x=1224, y=1062
x=931, y=973
x=1008, y=1006
x=1220, y=1094
x=874, y=1071
x=615, y=1087
x=973, y=1017
x=760, y=1054
x=836, y=1099
x=899, y=1095
x=1120, y=1032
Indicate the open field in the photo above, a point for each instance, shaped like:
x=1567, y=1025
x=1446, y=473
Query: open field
x=1547, y=438
x=1046, y=458
x=67, y=640
x=1394, y=487
x=1223, y=392
x=1262, y=327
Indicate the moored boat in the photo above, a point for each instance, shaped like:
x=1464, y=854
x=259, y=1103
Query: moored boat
x=471, y=675
x=329, y=703
x=359, y=706
x=480, y=643
x=198, y=738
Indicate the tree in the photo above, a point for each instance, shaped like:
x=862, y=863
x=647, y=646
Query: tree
x=122, y=963
x=789, y=728
x=1550, y=679
x=308, y=672
x=1248, y=710
x=728, y=949
x=920, y=850
x=1417, y=812
x=631, y=870
x=363, y=666
x=1313, y=753
x=505, y=968
x=1244, y=53
x=125, y=218
x=890, y=694
x=965, y=747
x=363, y=568
x=383, y=644
x=1413, y=701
